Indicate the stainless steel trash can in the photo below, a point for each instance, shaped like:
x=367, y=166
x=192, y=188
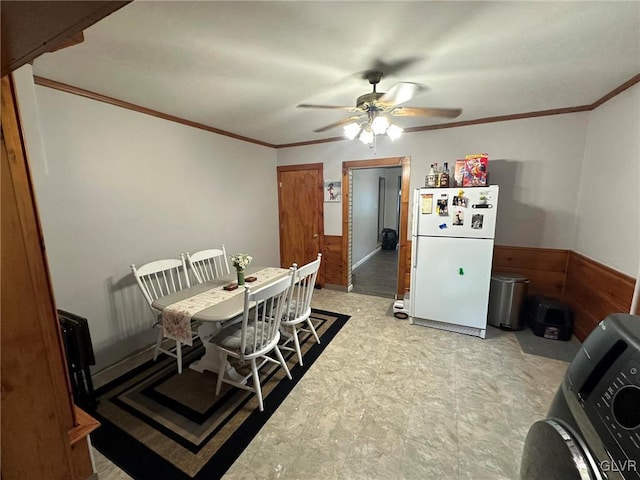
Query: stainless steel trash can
x=506, y=294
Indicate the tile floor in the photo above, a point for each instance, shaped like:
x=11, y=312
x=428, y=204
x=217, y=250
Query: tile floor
x=378, y=275
x=389, y=400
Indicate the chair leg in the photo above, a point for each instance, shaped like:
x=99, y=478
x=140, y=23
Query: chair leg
x=313, y=330
x=179, y=355
x=256, y=383
x=158, y=344
x=296, y=341
x=221, y=371
x=282, y=362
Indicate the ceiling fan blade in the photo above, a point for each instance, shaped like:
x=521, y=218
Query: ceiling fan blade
x=425, y=112
x=390, y=68
x=400, y=93
x=332, y=107
x=340, y=123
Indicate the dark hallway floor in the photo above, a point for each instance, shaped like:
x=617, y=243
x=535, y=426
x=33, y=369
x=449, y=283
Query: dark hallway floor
x=378, y=275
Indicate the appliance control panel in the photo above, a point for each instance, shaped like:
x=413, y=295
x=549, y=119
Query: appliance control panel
x=617, y=405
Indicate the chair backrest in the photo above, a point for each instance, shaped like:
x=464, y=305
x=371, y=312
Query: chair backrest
x=302, y=285
x=208, y=264
x=161, y=277
x=263, y=309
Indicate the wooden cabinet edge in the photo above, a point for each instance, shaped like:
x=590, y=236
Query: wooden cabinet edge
x=85, y=424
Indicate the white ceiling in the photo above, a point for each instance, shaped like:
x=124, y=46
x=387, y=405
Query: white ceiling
x=243, y=66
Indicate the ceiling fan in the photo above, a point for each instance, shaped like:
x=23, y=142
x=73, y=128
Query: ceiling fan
x=372, y=109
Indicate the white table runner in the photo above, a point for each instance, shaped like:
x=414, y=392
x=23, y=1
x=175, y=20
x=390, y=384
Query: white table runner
x=176, y=318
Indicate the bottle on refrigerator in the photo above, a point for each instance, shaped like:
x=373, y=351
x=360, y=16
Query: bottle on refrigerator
x=431, y=177
x=444, y=176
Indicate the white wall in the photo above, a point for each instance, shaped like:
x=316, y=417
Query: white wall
x=536, y=162
x=116, y=187
x=365, y=212
x=608, y=213
x=391, y=197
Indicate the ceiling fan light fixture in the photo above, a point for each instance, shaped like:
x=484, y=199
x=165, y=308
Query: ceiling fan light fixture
x=394, y=132
x=380, y=125
x=351, y=130
x=366, y=136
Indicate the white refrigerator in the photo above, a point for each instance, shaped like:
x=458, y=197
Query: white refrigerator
x=451, y=254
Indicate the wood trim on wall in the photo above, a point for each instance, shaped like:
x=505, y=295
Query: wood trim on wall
x=589, y=288
x=333, y=259
x=616, y=91
x=46, y=82
x=545, y=267
x=63, y=87
x=594, y=291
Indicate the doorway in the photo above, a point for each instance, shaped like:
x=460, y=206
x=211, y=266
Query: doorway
x=374, y=233
x=348, y=169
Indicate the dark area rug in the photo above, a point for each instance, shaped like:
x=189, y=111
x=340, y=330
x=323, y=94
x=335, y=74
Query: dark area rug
x=545, y=347
x=158, y=424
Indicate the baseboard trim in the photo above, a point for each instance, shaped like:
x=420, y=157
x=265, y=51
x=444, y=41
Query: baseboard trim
x=333, y=286
x=357, y=264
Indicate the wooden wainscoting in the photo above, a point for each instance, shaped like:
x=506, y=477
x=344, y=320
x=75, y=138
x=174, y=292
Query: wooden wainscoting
x=594, y=291
x=545, y=267
x=334, y=268
x=591, y=289
x=407, y=267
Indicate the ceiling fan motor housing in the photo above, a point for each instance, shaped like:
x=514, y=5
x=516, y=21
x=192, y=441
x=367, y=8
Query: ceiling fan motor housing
x=368, y=100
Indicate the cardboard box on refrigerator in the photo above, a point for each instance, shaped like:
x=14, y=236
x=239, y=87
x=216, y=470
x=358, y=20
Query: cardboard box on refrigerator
x=476, y=169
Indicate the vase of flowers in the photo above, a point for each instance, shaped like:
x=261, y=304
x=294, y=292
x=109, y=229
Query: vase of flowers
x=240, y=262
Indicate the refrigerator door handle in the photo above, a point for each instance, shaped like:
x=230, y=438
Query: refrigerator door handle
x=414, y=259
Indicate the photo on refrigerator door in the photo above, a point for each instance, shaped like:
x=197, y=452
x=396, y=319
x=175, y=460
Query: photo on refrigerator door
x=476, y=221
x=443, y=207
x=458, y=218
x=460, y=201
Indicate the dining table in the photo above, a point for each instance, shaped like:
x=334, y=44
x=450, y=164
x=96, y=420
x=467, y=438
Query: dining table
x=211, y=305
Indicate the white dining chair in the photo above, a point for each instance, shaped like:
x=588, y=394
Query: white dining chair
x=208, y=264
x=297, y=316
x=255, y=336
x=157, y=279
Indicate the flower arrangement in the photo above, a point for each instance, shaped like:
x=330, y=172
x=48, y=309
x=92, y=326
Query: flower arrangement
x=241, y=260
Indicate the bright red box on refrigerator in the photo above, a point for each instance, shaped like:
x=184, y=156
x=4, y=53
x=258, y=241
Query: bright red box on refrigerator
x=476, y=169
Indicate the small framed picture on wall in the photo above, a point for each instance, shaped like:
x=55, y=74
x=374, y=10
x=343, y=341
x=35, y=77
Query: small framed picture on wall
x=332, y=191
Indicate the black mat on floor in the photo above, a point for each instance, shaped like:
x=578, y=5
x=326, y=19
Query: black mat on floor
x=158, y=424
x=545, y=347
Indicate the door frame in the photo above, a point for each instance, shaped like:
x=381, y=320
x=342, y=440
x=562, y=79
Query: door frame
x=320, y=193
x=347, y=217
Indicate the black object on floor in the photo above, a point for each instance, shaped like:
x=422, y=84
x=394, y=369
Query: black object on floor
x=79, y=354
x=549, y=318
x=389, y=239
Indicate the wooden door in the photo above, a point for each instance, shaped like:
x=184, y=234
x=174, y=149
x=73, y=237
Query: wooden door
x=301, y=214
